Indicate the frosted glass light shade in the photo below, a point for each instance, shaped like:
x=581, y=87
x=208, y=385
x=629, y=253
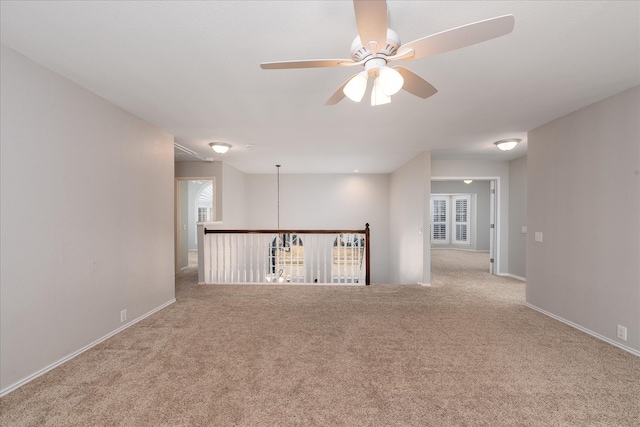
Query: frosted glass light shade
x=391, y=80
x=354, y=90
x=378, y=97
x=220, y=147
x=507, y=144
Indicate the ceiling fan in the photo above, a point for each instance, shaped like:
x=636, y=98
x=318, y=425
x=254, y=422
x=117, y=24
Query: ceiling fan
x=376, y=45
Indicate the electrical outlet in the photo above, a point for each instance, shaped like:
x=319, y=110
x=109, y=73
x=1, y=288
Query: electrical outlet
x=123, y=315
x=622, y=332
x=538, y=236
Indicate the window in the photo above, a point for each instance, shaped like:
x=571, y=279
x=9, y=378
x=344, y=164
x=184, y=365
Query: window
x=204, y=214
x=450, y=219
x=461, y=220
x=439, y=209
x=204, y=202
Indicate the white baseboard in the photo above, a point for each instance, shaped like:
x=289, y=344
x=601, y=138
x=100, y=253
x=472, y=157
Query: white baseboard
x=585, y=330
x=460, y=249
x=82, y=350
x=513, y=276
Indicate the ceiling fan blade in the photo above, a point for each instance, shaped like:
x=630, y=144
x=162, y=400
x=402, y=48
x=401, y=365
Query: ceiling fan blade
x=458, y=37
x=415, y=84
x=338, y=95
x=310, y=63
x=371, y=19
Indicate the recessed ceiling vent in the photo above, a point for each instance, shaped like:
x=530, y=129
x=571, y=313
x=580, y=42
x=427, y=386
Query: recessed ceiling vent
x=183, y=154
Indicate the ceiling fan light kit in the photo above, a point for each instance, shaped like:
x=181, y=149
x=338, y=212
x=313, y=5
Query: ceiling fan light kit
x=378, y=96
x=382, y=45
x=356, y=87
x=390, y=80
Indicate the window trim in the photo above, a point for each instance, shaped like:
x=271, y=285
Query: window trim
x=433, y=223
x=450, y=222
x=454, y=219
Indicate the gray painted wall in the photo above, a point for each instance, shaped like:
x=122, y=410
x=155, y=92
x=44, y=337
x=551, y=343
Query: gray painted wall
x=480, y=234
x=583, y=174
x=234, y=201
x=86, y=218
x=410, y=189
x=518, y=217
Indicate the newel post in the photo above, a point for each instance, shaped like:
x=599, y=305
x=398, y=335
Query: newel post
x=367, y=277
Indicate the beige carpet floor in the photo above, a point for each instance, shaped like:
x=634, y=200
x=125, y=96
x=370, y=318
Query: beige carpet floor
x=464, y=352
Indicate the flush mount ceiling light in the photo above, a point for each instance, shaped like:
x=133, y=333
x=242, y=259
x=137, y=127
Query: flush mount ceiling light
x=507, y=144
x=468, y=181
x=220, y=147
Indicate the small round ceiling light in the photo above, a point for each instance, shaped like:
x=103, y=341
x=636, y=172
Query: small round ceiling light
x=507, y=144
x=220, y=147
x=468, y=181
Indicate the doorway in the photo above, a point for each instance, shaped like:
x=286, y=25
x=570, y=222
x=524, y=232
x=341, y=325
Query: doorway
x=195, y=203
x=463, y=216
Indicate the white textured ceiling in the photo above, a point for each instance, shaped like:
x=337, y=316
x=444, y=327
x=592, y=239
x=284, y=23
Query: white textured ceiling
x=192, y=69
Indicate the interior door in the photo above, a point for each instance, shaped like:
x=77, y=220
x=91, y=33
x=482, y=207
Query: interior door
x=182, y=249
x=195, y=202
x=492, y=231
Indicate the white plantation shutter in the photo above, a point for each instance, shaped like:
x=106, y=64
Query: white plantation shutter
x=204, y=203
x=439, y=219
x=451, y=219
x=205, y=209
x=461, y=219
x=204, y=214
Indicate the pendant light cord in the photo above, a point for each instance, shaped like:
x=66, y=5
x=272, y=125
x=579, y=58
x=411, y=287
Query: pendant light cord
x=278, y=166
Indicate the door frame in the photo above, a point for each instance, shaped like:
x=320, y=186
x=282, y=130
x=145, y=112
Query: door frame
x=494, y=234
x=178, y=217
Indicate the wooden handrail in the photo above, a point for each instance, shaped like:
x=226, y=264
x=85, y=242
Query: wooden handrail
x=207, y=231
x=366, y=232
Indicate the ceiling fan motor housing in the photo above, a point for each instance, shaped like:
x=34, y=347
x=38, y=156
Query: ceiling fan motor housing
x=370, y=50
x=359, y=52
